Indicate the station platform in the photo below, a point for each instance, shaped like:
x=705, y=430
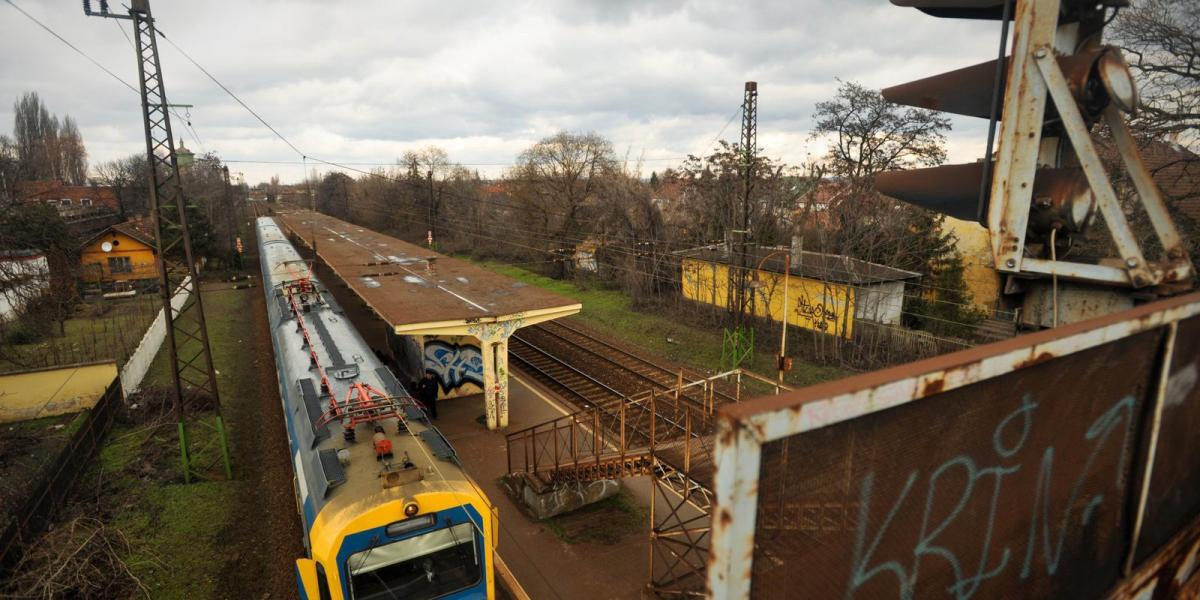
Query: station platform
x=443, y=315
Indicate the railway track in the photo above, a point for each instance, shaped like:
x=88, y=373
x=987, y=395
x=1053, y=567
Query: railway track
x=590, y=372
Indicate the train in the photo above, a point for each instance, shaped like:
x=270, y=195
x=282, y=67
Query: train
x=387, y=510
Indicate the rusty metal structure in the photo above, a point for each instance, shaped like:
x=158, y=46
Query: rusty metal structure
x=1058, y=464
x=1047, y=182
x=193, y=376
x=1061, y=463
x=666, y=434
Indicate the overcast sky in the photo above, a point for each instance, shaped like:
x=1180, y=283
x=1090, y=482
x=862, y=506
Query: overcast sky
x=364, y=81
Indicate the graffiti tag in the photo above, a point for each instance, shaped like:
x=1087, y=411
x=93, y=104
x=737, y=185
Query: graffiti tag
x=962, y=478
x=454, y=364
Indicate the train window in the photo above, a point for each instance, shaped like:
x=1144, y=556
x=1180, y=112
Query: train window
x=425, y=566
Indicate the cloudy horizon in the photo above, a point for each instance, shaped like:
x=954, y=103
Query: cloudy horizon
x=364, y=83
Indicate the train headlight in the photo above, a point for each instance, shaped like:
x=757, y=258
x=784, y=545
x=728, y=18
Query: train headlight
x=411, y=509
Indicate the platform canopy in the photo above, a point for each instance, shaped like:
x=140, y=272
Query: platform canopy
x=418, y=291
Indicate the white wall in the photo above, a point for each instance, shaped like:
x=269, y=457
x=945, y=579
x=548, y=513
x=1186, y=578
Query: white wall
x=880, y=302
x=139, y=362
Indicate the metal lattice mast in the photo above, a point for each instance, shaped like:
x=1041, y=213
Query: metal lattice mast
x=745, y=300
x=194, y=377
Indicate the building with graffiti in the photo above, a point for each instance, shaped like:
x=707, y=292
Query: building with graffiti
x=824, y=292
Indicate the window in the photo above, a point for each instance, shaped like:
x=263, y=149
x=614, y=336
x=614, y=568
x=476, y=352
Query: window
x=426, y=566
x=85, y=201
x=120, y=264
x=64, y=202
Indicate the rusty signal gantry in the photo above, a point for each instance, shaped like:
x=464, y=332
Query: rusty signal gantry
x=1047, y=181
x=194, y=377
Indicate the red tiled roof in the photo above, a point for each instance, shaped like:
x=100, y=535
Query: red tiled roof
x=56, y=191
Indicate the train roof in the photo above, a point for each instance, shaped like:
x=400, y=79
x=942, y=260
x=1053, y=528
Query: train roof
x=333, y=482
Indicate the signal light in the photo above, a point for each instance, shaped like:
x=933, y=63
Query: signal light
x=1047, y=174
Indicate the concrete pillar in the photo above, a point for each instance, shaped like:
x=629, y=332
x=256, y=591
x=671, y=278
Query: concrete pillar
x=495, y=380
x=501, y=359
x=493, y=346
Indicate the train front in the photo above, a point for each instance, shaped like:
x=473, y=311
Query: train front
x=421, y=544
x=387, y=510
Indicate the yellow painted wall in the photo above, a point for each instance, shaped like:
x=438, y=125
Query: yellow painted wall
x=95, y=260
x=48, y=392
x=979, y=273
x=812, y=304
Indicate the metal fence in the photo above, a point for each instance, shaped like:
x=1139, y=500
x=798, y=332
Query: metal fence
x=1064, y=463
x=50, y=493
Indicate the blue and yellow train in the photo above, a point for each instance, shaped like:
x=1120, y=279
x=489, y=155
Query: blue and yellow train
x=387, y=510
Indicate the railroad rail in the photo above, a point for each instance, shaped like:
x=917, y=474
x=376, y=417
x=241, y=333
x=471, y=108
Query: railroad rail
x=588, y=371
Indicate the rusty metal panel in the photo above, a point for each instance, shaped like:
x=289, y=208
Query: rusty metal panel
x=1174, y=499
x=1013, y=469
x=1013, y=486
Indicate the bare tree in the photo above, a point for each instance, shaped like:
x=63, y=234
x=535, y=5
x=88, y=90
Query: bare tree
x=553, y=180
x=1161, y=40
x=867, y=134
x=128, y=179
x=45, y=148
x=72, y=155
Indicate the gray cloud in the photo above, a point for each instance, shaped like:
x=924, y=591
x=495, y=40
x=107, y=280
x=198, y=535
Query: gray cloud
x=365, y=81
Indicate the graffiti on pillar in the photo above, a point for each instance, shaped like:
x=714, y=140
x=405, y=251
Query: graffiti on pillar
x=454, y=365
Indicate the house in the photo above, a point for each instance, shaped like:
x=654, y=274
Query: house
x=68, y=199
x=824, y=292
x=121, y=252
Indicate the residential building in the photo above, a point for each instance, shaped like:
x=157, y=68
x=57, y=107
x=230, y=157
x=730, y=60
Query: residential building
x=122, y=252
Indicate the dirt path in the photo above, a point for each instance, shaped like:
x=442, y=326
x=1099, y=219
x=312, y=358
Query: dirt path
x=264, y=532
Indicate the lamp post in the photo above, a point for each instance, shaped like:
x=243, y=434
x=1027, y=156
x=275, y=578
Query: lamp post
x=781, y=362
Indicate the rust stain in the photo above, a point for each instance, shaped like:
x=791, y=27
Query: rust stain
x=932, y=387
x=1040, y=358
x=726, y=518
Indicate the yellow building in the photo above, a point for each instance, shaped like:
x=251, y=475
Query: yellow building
x=123, y=252
x=825, y=292
x=979, y=270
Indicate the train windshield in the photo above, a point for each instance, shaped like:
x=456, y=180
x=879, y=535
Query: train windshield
x=426, y=566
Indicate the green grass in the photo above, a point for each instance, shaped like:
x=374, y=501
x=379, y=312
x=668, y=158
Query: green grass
x=696, y=346
x=100, y=329
x=175, y=528
x=605, y=522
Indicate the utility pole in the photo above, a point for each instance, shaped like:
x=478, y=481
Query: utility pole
x=194, y=378
x=738, y=344
x=429, y=210
x=749, y=153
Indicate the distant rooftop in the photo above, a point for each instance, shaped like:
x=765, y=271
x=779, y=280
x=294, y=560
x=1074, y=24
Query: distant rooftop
x=811, y=265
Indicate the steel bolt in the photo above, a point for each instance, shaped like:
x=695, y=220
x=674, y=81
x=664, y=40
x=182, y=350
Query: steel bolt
x=1131, y=262
x=1039, y=53
x=1010, y=263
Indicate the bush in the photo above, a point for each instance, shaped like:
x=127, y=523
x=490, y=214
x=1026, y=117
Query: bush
x=17, y=334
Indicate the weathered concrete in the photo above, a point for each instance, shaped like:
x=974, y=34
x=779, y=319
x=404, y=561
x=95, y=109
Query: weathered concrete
x=542, y=501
